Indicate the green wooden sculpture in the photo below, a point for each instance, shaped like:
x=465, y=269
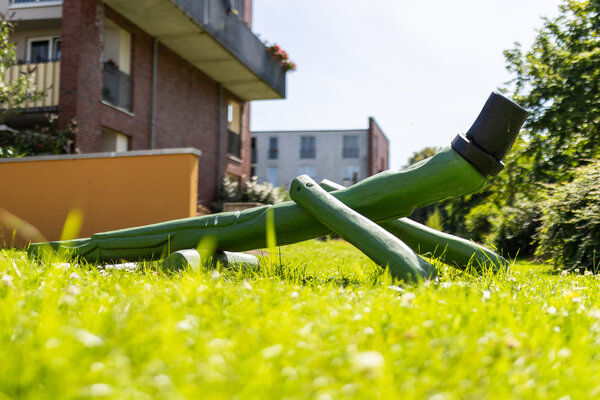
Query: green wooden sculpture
x=383, y=198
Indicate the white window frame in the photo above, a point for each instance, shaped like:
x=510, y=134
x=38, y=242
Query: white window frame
x=50, y=39
x=35, y=3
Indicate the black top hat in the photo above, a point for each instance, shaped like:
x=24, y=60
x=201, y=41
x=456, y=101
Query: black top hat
x=492, y=134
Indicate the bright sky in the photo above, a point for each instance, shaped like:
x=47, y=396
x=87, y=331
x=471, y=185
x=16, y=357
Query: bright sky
x=422, y=69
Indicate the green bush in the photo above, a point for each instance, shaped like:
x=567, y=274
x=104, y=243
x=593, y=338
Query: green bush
x=39, y=141
x=570, y=229
x=479, y=222
x=251, y=191
x=516, y=227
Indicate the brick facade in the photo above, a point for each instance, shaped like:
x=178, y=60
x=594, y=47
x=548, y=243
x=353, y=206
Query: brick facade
x=187, y=101
x=378, y=148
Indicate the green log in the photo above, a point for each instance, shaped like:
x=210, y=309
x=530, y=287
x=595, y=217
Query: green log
x=450, y=249
x=382, y=197
x=386, y=196
x=378, y=244
x=191, y=258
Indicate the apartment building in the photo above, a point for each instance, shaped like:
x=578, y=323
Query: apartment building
x=148, y=74
x=343, y=156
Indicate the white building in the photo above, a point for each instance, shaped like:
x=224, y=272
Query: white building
x=343, y=156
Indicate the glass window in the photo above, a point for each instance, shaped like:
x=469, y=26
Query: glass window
x=234, y=116
x=350, y=174
x=273, y=148
x=39, y=50
x=56, y=50
x=43, y=49
x=309, y=170
x=350, y=148
x=308, y=147
x=272, y=176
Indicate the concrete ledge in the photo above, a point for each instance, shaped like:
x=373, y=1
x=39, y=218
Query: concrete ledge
x=112, y=154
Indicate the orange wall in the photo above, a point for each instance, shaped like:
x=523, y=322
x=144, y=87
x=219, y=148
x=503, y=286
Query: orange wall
x=112, y=192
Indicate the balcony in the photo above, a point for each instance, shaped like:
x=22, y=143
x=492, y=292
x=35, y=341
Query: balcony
x=44, y=76
x=116, y=87
x=213, y=39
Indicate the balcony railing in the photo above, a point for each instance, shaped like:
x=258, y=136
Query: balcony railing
x=34, y=1
x=43, y=76
x=116, y=87
x=234, y=144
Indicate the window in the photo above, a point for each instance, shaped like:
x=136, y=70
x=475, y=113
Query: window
x=272, y=176
x=308, y=147
x=273, y=148
x=376, y=147
x=309, y=170
x=113, y=141
x=350, y=147
x=117, y=47
x=253, y=152
x=43, y=49
x=350, y=174
x=234, y=127
x=116, y=74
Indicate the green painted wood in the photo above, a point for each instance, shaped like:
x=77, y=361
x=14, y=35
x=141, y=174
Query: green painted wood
x=452, y=250
x=191, y=258
x=382, y=197
x=378, y=244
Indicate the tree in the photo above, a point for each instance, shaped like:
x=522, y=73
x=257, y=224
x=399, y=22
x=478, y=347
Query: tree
x=13, y=94
x=422, y=155
x=570, y=231
x=21, y=89
x=558, y=81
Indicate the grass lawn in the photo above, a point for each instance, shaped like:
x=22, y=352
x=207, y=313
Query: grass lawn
x=325, y=324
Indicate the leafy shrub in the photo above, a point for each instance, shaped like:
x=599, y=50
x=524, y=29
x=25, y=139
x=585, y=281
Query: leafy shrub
x=479, y=221
x=570, y=229
x=230, y=190
x=39, y=141
x=435, y=220
x=515, y=228
x=251, y=191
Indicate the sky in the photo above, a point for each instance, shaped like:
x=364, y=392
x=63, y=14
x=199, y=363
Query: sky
x=422, y=68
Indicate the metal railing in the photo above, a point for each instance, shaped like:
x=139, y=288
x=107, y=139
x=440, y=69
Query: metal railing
x=216, y=19
x=234, y=144
x=34, y=1
x=42, y=76
x=116, y=87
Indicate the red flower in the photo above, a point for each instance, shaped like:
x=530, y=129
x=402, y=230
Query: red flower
x=39, y=146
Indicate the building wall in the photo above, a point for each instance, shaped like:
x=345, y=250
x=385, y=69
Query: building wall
x=81, y=72
x=21, y=37
x=50, y=10
x=188, y=111
x=112, y=192
x=328, y=164
x=379, y=153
